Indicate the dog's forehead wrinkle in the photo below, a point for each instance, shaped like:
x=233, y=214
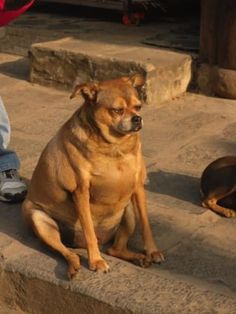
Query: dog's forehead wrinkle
x=109, y=99
x=117, y=97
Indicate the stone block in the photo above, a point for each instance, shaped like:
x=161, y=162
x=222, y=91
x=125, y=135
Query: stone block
x=63, y=62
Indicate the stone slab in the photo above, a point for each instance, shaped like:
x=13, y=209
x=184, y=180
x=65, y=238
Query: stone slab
x=216, y=81
x=65, y=49
x=63, y=62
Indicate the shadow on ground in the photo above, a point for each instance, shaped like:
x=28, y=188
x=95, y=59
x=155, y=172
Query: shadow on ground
x=180, y=186
x=18, y=68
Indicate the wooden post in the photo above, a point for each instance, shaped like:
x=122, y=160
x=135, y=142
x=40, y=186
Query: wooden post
x=217, y=74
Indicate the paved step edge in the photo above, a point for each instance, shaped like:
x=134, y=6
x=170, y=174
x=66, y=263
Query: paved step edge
x=127, y=289
x=61, y=68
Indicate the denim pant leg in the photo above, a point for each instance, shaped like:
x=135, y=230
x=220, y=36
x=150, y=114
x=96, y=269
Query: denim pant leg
x=8, y=158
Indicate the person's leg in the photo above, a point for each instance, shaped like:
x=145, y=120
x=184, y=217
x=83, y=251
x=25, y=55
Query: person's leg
x=8, y=158
x=12, y=188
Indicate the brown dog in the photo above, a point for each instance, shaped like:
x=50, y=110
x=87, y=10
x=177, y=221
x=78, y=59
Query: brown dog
x=89, y=173
x=218, y=186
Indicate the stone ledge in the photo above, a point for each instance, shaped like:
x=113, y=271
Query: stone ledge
x=216, y=81
x=62, y=62
x=28, y=282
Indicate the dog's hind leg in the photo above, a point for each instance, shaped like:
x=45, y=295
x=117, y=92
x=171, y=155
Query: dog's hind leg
x=119, y=248
x=211, y=203
x=214, y=199
x=48, y=231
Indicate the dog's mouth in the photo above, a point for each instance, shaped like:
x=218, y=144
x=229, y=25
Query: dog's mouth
x=129, y=125
x=136, y=128
x=128, y=128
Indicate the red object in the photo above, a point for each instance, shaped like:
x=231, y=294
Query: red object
x=7, y=16
x=126, y=20
x=133, y=19
x=2, y=2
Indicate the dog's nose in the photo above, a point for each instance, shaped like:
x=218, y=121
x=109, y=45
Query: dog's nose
x=136, y=120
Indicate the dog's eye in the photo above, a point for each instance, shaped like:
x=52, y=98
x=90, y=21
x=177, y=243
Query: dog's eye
x=119, y=111
x=138, y=107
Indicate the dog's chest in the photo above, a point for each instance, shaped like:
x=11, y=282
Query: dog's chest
x=113, y=179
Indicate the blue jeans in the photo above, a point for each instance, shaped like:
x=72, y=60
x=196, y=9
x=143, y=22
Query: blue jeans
x=8, y=158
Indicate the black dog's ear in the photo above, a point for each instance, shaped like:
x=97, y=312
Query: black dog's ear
x=87, y=90
x=136, y=80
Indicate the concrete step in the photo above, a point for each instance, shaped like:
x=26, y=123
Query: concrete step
x=63, y=62
x=65, y=49
x=33, y=279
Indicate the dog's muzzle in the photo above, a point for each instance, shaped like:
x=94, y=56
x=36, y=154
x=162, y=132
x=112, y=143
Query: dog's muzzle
x=136, y=123
x=130, y=124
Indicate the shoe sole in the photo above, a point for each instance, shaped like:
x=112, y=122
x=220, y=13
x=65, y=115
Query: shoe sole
x=13, y=198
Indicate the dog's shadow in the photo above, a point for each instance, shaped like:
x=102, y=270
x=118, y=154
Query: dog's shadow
x=179, y=186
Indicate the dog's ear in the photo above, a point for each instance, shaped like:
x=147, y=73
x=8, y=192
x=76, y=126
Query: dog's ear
x=136, y=80
x=87, y=90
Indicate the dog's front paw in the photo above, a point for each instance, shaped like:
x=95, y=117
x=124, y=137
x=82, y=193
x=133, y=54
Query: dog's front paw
x=74, y=265
x=157, y=257
x=99, y=266
x=153, y=257
x=229, y=213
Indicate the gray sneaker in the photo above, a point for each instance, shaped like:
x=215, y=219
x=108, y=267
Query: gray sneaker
x=12, y=188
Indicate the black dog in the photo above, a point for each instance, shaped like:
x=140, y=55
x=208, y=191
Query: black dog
x=218, y=186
